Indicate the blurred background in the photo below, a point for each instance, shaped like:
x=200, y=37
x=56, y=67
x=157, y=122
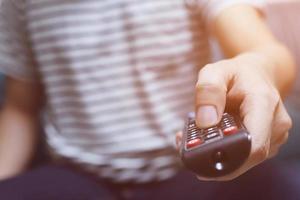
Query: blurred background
x=283, y=17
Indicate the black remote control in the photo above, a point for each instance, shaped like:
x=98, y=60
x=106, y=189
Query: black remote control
x=215, y=151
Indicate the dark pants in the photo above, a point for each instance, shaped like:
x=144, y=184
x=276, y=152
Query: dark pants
x=50, y=182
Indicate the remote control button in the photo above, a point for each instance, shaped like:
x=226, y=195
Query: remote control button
x=193, y=143
x=211, y=136
x=211, y=133
x=219, y=156
x=230, y=130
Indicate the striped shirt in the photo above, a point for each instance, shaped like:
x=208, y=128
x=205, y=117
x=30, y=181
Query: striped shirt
x=118, y=76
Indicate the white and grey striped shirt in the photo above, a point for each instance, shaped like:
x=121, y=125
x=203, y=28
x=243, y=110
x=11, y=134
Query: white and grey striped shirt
x=119, y=76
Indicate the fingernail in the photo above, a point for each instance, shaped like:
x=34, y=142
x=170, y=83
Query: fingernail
x=207, y=116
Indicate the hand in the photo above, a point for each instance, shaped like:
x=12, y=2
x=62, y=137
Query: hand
x=245, y=84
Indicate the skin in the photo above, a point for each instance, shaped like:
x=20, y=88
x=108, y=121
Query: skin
x=19, y=119
x=254, y=78
x=258, y=71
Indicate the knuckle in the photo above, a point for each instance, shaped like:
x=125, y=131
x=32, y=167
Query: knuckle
x=207, y=86
x=210, y=92
x=285, y=138
x=288, y=123
x=285, y=124
x=270, y=95
x=206, y=68
x=261, y=153
x=273, y=95
x=210, y=78
x=212, y=69
x=206, y=71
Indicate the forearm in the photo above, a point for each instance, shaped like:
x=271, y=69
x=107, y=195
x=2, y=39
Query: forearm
x=17, y=140
x=241, y=29
x=18, y=125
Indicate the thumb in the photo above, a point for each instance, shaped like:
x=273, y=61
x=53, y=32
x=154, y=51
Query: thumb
x=211, y=92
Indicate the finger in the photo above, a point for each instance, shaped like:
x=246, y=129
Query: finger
x=258, y=109
x=274, y=148
x=281, y=125
x=178, y=140
x=281, y=139
x=211, y=92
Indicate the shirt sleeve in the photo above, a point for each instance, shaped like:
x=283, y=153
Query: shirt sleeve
x=211, y=8
x=16, y=55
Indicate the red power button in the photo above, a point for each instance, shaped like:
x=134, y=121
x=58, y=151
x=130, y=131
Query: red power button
x=193, y=143
x=230, y=130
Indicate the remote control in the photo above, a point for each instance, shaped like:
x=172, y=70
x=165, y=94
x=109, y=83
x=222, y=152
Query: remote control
x=216, y=151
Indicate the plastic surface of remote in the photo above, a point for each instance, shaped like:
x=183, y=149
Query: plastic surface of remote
x=216, y=151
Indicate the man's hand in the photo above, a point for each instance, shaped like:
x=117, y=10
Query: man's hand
x=243, y=83
x=260, y=70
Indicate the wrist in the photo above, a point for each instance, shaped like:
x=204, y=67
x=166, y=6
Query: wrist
x=261, y=63
x=276, y=63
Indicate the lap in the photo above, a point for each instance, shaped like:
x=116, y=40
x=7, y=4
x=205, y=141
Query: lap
x=268, y=181
x=51, y=182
